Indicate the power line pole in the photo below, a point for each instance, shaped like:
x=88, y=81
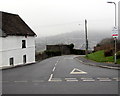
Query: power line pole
x=86, y=38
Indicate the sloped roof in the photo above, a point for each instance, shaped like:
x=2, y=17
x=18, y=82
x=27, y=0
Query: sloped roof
x=12, y=24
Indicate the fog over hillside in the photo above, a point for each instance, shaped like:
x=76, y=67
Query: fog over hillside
x=75, y=37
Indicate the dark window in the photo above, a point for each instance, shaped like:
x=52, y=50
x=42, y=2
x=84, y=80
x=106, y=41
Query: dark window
x=23, y=44
x=11, y=61
x=24, y=59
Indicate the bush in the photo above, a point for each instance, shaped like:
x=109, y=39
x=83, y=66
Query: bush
x=108, y=53
x=51, y=53
x=118, y=55
x=78, y=52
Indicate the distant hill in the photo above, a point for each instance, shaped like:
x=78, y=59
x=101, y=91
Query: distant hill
x=76, y=37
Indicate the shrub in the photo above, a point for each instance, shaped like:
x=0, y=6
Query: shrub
x=108, y=53
x=51, y=53
x=118, y=55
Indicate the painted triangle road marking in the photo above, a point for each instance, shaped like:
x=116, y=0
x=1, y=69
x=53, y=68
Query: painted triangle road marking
x=77, y=71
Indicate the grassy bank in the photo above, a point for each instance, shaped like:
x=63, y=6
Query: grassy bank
x=99, y=57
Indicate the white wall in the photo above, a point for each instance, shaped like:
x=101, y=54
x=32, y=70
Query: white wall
x=12, y=47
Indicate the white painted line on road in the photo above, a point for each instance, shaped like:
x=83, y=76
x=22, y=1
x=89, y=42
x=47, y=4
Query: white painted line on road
x=55, y=64
x=20, y=81
x=117, y=79
x=50, y=77
x=104, y=79
x=68, y=58
x=88, y=80
x=37, y=81
x=55, y=80
x=4, y=81
x=54, y=69
x=71, y=79
x=77, y=71
x=80, y=61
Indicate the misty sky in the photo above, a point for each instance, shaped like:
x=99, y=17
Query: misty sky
x=51, y=17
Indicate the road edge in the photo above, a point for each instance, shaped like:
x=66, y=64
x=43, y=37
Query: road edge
x=15, y=66
x=102, y=66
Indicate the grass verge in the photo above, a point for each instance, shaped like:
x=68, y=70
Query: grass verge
x=99, y=57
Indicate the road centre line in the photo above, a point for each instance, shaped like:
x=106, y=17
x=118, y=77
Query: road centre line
x=54, y=69
x=50, y=77
x=55, y=64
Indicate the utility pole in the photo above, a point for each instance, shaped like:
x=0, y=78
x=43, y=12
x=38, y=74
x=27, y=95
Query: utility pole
x=86, y=38
x=115, y=39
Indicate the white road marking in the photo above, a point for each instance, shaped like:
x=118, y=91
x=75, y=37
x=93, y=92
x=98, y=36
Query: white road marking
x=117, y=79
x=4, y=81
x=68, y=58
x=55, y=80
x=37, y=81
x=80, y=61
x=54, y=69
x=20, y=81
x=104, y=79
x=55, y=64
x=71, y=79
x=88, y=79
x=50, y=77
x=78, y=71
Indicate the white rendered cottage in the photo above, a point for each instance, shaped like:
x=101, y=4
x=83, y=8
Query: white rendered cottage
x=17, y=41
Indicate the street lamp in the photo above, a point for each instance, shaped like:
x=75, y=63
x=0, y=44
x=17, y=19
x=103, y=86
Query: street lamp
x=115, y=27
x=115, y=11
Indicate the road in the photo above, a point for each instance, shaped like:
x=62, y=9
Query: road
x=60, y=75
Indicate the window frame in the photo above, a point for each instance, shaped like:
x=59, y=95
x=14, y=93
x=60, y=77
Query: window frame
x=11, y=61
x=23, y=43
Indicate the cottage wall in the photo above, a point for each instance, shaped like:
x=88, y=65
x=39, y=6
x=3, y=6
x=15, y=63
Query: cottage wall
x=12, y=47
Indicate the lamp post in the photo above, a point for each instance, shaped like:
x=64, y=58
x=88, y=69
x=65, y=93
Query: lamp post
x=115, y=27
